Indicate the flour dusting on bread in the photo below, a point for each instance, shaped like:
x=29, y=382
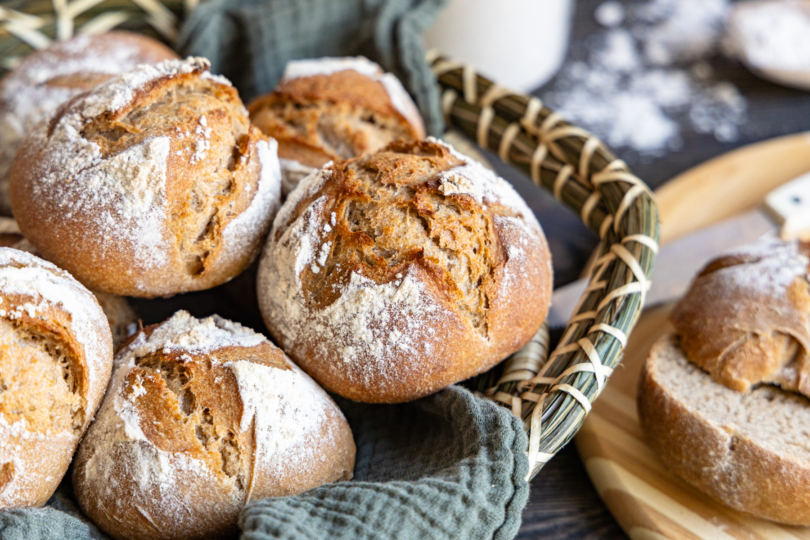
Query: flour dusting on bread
x=206, y=406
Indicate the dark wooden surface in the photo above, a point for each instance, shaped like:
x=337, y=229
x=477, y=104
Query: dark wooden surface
x=563, y=503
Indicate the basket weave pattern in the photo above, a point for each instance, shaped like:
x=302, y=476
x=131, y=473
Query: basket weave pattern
x=553, y=397
x=29, y=25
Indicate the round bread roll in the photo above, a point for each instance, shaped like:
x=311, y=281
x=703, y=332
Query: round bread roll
x=203, y=416
x=55, y=361
x=393, y=275
x=328, y=109
x=746, y=450
x=746, y=317
x=45, y=79
x=152, y=184
x=120, y=315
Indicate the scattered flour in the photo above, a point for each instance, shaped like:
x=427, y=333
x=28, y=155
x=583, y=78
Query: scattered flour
x=645, y=78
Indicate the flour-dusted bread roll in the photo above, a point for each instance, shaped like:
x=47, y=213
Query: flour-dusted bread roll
x=45, y=79
x=152, y=184
x=120, y=315
x=390, y=276
x=55, y=362
x=201, y=417
x=748, y=450
x=327, y=109
x=746, y=318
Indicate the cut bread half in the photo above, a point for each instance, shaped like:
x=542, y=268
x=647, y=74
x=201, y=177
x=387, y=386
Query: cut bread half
x=750, y=451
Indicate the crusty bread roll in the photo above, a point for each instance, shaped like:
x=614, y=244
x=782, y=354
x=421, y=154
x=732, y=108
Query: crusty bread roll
x=747, y=450
x=390, y=276
x=120, y=315
x=327, y=109
x=55, y=362
x=746, y=318
x=45, y=79
x=152, y=184
x=201, y=417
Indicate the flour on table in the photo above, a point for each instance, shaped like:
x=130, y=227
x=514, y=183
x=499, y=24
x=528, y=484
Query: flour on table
x=645, y=79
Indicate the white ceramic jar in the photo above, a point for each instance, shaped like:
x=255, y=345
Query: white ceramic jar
x=518, y=43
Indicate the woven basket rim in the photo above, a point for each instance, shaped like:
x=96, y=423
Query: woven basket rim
x=552, y=397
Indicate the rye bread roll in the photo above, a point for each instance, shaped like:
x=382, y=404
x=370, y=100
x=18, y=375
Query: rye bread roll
x=748, y=450
x=746, y=318
x=203, y=416
x=55, y=362
x=45, y=79
x=328, y=109
x=120, y=315
x=393, y=275
x=152, y=184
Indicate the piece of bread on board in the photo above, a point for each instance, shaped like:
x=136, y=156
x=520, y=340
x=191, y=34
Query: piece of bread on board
x=750, y=450
x=746, y=317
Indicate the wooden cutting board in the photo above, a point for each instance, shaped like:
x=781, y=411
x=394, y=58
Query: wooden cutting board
x=648, y=501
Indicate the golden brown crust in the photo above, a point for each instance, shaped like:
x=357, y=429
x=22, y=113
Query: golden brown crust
x=414, y=284
x=55, y=361
x=746, y=318
x=47, y=78
x=177, y=200
x=733, y=468
x=327, y=117
x=190, y=420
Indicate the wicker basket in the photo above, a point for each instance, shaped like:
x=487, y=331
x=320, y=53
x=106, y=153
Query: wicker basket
x=552, y=395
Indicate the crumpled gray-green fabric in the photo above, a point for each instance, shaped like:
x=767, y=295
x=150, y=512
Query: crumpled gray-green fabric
x=251, y=41
x=444, y=467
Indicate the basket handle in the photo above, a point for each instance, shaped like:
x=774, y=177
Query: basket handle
x=586, y=177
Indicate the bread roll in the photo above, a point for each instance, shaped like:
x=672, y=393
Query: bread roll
x=746, y=318
x=45, y=79
x=747, y=450
x=393, y=275
x=55, y=362
x=327, y=109
x=201, y=417
x=152, y=184
x=120, y=315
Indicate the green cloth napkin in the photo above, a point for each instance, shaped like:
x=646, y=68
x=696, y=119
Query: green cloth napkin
x=251, y=41
x=444, y=467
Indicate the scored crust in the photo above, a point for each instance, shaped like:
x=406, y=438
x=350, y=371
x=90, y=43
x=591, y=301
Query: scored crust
x=55, y=362
x=390, y=276
x=45, y=79
x=203, y=416
x=152, y=184
x=747, y=450
x=334, y=108
x=746, y=317
x=120, y=315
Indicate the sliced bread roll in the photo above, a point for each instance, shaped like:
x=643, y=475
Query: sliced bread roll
x=750, y=451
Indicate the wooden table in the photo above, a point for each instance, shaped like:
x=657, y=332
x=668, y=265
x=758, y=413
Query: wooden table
x=563, y=503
